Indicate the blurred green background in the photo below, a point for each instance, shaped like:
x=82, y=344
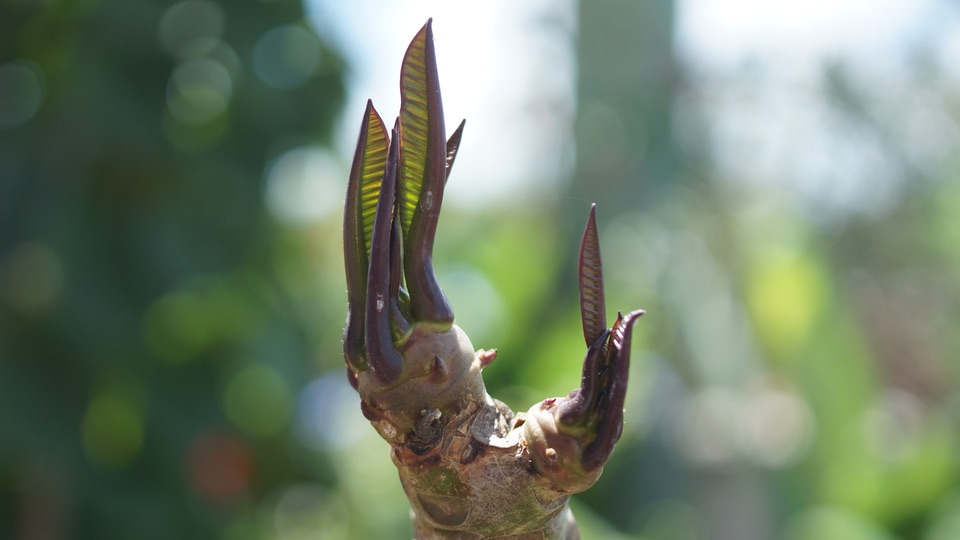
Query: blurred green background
x=172, y=298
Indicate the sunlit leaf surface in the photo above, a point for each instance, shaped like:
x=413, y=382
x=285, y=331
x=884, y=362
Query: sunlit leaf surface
x=414, y=125
x=374, y=162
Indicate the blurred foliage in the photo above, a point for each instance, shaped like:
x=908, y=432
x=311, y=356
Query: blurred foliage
x=798, y=377
x=151, y=346
x=171, y=290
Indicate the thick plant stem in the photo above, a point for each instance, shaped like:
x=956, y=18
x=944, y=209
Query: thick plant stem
x=471, y=468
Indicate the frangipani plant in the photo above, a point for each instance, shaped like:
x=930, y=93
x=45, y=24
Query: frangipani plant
x=471, y=468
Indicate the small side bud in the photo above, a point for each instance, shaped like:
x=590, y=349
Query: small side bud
x=486, y=357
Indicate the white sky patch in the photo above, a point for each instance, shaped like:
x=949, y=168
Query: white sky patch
x=508, y=68
x=304, y=185
x=718, y=34
x=757, y=72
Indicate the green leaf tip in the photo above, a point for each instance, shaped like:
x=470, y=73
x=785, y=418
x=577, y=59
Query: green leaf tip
x=422, y=175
